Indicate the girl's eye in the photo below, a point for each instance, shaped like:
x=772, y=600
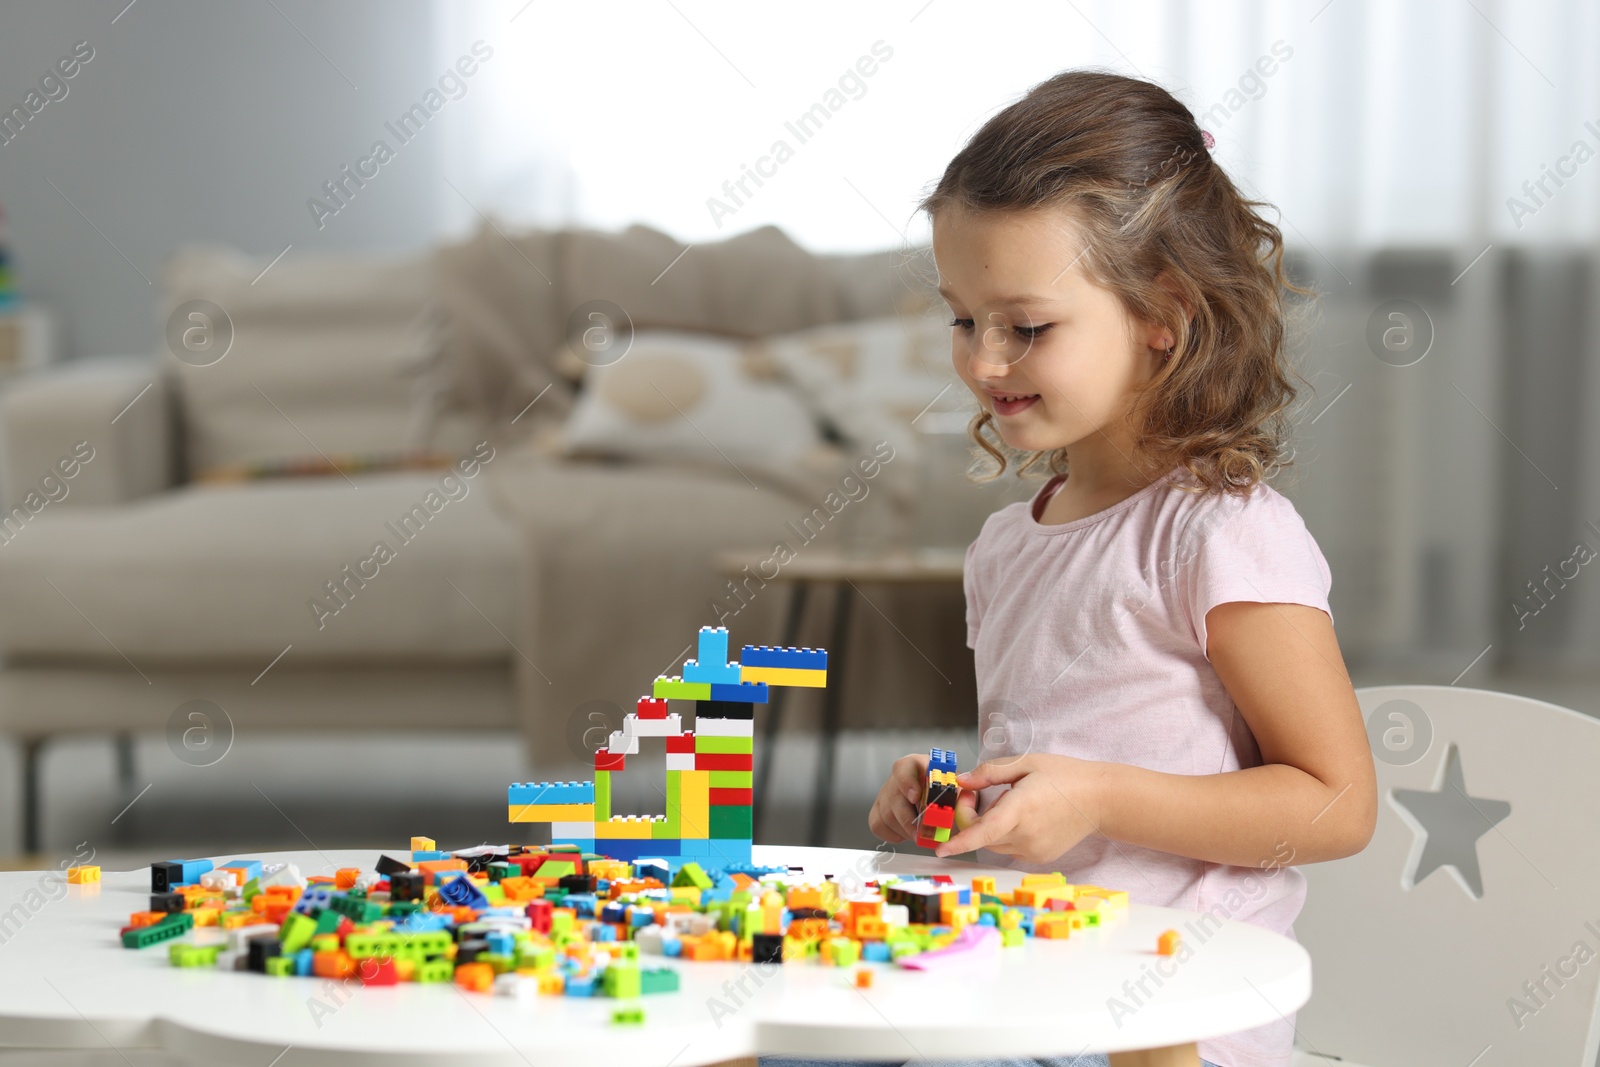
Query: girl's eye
x=1030, y=332
x=965, y=324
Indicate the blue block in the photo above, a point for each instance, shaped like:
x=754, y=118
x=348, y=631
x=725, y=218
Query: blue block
x=875, y=951
x=550, y=793
x=423, y=855
x=740, y=692
x=501, y=943
x=580, y=986
x=713, y=646
x=302, y=963
x=461, y=892
x=652, y=868
x=631, y=850
x=941, y=759
x=671, y=946
x=603, y=933
x=726, y=674
x=797, y=659
x=726, y=851
x=252, y=868
x=582, y=903
x=193, y=869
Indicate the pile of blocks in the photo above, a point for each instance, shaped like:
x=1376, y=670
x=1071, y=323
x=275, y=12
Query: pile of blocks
x=710, y=768
x=523, y=921
x=936, y=818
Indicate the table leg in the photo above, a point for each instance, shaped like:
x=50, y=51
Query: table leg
x=1175, y=1056
x=777, y=696
x=831, y=698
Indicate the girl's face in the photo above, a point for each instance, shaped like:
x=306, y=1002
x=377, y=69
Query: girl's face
x=1052, y=355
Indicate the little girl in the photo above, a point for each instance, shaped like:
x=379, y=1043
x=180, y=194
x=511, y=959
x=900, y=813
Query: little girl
x=1155, y=621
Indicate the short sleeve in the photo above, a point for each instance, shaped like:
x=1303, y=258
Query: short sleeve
x=969, y=585
x=1255, y=549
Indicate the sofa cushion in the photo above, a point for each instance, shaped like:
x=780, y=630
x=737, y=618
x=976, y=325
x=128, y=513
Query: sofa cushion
x=233, y=572
x=306, y=358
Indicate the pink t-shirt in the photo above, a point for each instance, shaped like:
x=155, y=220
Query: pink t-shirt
x=1089, y=639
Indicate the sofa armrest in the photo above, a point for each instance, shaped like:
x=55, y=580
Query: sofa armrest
x=50, y=421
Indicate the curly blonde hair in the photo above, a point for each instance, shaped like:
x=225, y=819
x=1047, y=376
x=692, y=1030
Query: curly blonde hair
x=1131, y=165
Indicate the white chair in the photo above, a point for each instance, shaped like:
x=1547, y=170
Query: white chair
x=1478, y=942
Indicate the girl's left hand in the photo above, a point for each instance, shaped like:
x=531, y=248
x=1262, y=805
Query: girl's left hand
x=1051, y=806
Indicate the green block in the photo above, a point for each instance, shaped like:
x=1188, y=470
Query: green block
x=738, y=746
x=185, y=955
x=493, y=894
x=328, y=921
x=622, y=980
x=731, y=822
x=678, y=689
x=692, y=874
x=165, y=930
x=732, y=780
x=280, y=967
x=556, y=868
x=633, y=1016
x=602, y=796
x=498, y=871
x=403, y=907
x=498, y=961
x=356, y=909
x=536, y=957
x=252, y=889
x=628, y=950
x=561, y=923
x=435, y=971
x=658, y=980
x=941, y=833
x=1012, y=938
x=296, y=932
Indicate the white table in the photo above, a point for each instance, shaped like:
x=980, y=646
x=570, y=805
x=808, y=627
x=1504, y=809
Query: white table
x=66, y=982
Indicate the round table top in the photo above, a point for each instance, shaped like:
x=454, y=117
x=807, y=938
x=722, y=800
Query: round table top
x=906, y=566
x=66, y=982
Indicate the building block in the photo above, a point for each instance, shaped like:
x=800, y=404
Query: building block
x=82, y=875
x=711, y=673
x=676, y=688
x=602, y=796
x=623, y=742
x=610, y=761
x=940, y=759
x=804, y=659
x=651, y=708
x=423, y=844
x=571, y=831
x=741, y=746
x=732, y=779
x=740, y=690
x=731, y=797
x=668, y=726
x=551, y=813
x=551, y=793
x=731, y=822
x=723, y=709
x=680, y=761
x=682, y=743
x=629, y=827
x=711, y=645
x=784, y=676
x=1167, y=944
x=722, y=761
x=695, y=803
x=724, y=728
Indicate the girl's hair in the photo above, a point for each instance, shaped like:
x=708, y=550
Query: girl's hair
x=1129, y=162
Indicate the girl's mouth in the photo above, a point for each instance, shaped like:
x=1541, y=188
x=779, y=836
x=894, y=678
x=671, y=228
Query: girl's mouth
x=1013, y=403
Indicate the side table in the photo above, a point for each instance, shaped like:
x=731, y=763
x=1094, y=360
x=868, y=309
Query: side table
x=843, y=571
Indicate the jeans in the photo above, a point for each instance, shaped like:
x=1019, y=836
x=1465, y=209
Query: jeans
x=1088, y=1059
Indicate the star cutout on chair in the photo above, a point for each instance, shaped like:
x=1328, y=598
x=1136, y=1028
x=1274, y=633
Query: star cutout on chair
x=1449, y=823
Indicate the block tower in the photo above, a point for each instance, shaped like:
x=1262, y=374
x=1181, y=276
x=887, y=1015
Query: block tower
x=710, y=768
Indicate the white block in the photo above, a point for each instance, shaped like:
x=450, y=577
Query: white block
x=583, y=831
x=282, y=874
x=239, y=937
x=623, y=744
x=219, y=880
x=725, y=727
x=680, y=761
x=896, y=914
x=520, y=986
x=671, y=726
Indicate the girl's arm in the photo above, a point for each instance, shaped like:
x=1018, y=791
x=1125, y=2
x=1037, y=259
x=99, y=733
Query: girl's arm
x=1313, y=798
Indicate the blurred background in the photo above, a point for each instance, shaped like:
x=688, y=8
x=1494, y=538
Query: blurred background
x=391, y=389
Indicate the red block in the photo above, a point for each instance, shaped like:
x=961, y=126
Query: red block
x=741, y=798
x=377, y=971
x=540, y=912
x=609, y=761
x=681, y=743
x=723, y=761
x=651, y=708
x=945, y=817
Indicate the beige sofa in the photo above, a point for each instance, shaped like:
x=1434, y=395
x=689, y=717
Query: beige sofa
x=542, y=582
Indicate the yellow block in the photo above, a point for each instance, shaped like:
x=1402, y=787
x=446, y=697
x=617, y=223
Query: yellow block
x=83, y=875
x=423, y=844
x=550, y=813
x=694, y=800
x=784, y=676
x=622, y=828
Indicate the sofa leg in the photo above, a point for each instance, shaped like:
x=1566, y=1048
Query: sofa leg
x=31, y=749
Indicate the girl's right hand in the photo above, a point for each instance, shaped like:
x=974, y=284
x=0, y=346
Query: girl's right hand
x=894, y=813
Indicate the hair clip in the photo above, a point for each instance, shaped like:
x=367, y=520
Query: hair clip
x=1211, y=142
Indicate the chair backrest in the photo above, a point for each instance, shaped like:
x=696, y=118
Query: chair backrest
x=1468, y=931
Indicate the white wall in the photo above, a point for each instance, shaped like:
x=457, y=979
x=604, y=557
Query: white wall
x=203, y=120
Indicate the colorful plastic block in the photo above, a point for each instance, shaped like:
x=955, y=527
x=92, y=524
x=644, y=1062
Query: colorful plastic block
x=82, y=875
x=804, y=659
x=784, y=676
x=676, y=688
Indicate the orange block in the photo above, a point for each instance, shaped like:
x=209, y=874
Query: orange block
x=520, y=889
x=863, y=979
x=478, y=977
x=805, y=896
x=345, y=877
x=1167, y=944
x=334, y=963
x=871, y=928
x=431, y=868
x=145, y=918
